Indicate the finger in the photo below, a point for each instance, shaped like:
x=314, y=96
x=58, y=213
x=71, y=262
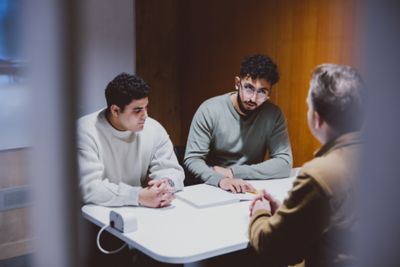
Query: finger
x=252, y=204
x=162, y=188
x=166, y=202
x=232, y=188
x=256, y=206
x=237, y=187
x=242, y=188
x=170, y=189
x=167, y=189
x=250, y=188
x=251, y=212
x=267, y=195
x=168, y=196
x=162, y=204
x=154, y=182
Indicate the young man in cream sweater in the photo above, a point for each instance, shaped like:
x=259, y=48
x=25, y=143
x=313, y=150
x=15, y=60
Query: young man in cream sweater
x=124, y=156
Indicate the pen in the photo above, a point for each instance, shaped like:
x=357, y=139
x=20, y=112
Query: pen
x=254, y=193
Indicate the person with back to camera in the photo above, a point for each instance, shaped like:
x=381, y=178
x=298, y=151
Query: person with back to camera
x=316, y=222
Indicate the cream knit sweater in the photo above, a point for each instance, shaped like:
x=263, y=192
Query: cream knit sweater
x=113, y=164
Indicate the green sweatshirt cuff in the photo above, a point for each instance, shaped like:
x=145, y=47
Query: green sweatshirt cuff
x=214, y=179
x=240, y=171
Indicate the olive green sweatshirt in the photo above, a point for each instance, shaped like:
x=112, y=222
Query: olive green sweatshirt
x=220, y=136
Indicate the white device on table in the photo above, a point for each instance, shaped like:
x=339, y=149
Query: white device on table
x=125, y=222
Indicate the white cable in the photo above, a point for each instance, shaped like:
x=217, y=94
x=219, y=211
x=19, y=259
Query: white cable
x=103, y=250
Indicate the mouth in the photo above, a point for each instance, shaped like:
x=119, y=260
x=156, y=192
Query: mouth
x=250, y=105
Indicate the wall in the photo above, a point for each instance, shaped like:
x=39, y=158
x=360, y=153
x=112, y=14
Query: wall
x=107, y=47
x=15, y=236
x=157, y=61
x=213, y=37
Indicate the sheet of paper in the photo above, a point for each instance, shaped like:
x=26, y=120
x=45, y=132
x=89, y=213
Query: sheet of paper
x=203, y=195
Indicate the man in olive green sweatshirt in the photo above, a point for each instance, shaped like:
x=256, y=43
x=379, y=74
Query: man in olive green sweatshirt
x=231, y=134
x=316, y=221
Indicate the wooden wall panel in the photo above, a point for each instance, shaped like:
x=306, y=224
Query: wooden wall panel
x=157, y=60
x=212, y=38
x=313, y=32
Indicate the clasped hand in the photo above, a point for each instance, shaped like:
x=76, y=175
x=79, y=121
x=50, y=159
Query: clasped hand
x=159, y=193
x=263, y=201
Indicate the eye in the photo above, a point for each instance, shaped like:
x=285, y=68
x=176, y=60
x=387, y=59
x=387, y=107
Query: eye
x=249, y=87
x=262, y=92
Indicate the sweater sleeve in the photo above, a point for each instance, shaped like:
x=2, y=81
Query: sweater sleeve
x=96, y=189
x=285, y=237
x=164, y=163
x=280, y=162
x=198, y=147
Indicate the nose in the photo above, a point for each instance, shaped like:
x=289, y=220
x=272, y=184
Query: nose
x=145, y=114
x=253, y=97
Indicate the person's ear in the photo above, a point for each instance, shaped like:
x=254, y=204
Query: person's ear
x=237, y=81
x=318, y=121
x=114, y=110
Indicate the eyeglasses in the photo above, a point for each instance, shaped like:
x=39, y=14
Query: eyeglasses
x=261, y=94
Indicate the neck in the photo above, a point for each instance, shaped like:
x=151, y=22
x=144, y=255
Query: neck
x=110, y=120
x=328, y=135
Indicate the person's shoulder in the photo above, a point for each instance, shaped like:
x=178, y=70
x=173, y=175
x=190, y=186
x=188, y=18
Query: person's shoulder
x=153, y=127
x=318, y=169
x=152, y=123
x=331, y=171
x=215, y=101
x=269, y=107
x=89, y=120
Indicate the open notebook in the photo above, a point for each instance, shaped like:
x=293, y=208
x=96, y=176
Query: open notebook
x=203, y=195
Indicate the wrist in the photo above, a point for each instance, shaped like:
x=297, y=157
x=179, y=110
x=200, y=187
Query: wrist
x=222, y=182
x=170, y=182
x=140, y=197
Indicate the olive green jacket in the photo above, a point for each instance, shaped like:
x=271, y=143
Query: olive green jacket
x=316, y=221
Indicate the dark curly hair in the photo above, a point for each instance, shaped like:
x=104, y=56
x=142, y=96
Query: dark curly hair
x=260, y=67
x=124, y=88
x=338, y=95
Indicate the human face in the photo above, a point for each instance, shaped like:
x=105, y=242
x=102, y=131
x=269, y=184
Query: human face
x=133, y=117
x=253, y=92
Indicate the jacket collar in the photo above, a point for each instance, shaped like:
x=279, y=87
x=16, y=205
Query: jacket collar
x=344, y=140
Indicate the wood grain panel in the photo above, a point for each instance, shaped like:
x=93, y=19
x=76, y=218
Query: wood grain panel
x=212, y=38
x=15, y=235
x=157, y=60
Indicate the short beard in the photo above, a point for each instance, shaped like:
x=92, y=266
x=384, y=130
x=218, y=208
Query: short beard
x=241, y=107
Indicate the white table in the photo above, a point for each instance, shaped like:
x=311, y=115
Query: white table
x=182, y=233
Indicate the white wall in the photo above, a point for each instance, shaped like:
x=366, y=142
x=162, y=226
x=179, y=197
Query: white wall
x=107, y=48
